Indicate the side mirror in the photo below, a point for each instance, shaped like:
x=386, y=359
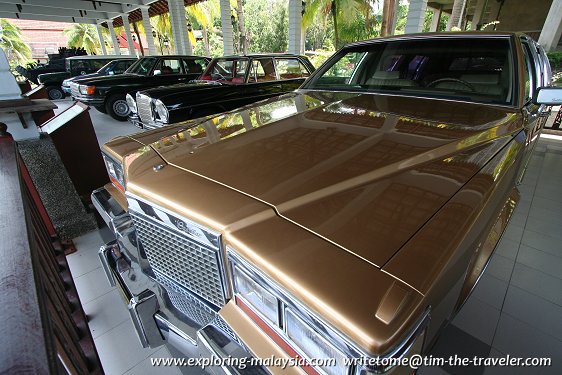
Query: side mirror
x=157, y=72
x=111, y=72
x=548, y=96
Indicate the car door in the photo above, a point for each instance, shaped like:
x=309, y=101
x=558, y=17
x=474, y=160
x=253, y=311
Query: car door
x=168, y=71
x=534, y=116
x=292, y=73
x=194, y=68
x=262, y=81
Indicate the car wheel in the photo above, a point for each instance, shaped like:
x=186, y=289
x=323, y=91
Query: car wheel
x=100, y=108
x=117, y=107
x=55, y=93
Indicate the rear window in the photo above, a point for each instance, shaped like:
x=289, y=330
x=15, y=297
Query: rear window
x=468, y=69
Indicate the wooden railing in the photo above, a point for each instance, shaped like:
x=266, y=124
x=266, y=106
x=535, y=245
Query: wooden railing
x=43, y=329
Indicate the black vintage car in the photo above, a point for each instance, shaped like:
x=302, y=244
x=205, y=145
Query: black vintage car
x=228, y=83
x=82, y=66
x=107, y=94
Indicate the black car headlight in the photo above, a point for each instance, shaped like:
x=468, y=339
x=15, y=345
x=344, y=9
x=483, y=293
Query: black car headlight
x=287, y=320
x=115, y=172
x=161, y=110
x=131, y=103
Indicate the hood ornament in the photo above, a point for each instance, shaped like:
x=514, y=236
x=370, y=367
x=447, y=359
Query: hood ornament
x=158, y=167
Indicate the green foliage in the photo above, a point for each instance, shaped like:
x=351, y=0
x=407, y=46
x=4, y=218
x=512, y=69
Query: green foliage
x=17, y=51
x=319, y=57
x=265, y=22
x=216, y=48
x=555, y=59
x=351, y=19
x=320, y=34
x=83, y=36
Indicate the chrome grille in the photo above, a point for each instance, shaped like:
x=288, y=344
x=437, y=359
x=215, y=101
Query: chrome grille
x=74, y=89
x=144, y=109
x=186, y=262
x=186, y=303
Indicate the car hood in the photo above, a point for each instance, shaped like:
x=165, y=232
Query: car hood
x=169, y=92
x=362, y=171
x=111, y=80
x=55, y=75
x=85, y=76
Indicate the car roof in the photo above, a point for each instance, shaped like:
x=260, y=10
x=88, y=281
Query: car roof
x=450, y=34
x=255, y=55
x=178, y=56
x=102, y=57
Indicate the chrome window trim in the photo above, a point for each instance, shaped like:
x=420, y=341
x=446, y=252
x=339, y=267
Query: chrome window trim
x=324, y=329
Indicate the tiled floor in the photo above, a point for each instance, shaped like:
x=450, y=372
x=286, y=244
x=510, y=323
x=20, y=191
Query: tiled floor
x=516, y=309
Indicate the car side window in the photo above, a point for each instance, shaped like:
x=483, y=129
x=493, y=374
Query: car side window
x=120, y=67
x=291, y=69
x=98, y=64
x=194, y=66
x=262, y=70
x=169, y=66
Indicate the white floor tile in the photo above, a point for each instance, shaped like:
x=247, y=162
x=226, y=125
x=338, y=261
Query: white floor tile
x=120, y=349
x=106, y=312
x=85, y=259
x=146, y=367
x=92, y=285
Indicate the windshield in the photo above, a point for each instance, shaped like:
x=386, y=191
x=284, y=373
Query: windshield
x=226, y=71
x=475, y=69
x=104, y=68
x=142, y=66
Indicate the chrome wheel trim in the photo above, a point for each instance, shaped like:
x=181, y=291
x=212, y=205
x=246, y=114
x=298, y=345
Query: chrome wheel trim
x=121, y=108
x=57, y=94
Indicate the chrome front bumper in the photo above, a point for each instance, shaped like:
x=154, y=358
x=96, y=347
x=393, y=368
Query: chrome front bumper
x=157, y=319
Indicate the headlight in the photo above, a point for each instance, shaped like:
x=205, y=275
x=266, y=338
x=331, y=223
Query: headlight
x=161, y=110
x=260, y=299
x=87, y=90
x=269, y=305
x=131, y=102
x=312, y=345
x=115, y=171
x=66, y=82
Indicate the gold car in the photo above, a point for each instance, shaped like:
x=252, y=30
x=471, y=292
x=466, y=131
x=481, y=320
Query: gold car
x=344, y=223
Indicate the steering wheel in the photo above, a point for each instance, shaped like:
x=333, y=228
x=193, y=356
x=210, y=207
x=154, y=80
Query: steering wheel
x=451, y=79
x=221, y=77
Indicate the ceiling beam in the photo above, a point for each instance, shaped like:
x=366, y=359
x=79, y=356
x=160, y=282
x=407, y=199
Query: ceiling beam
x=111, y=6
x=49, y=11
x=39, y=17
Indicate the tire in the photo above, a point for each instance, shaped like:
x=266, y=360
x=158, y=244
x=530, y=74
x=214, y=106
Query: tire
x=117, y=107
x=55, y=93
x=100, y=108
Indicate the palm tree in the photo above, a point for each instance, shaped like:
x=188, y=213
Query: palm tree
x=163, y=28
x=342, y=12
x=83, y=36
x=204, y=13
x=17, y=51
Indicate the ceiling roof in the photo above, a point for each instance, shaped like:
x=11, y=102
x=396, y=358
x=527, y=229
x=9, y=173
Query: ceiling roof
x=82, y=11
x=156, y=8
